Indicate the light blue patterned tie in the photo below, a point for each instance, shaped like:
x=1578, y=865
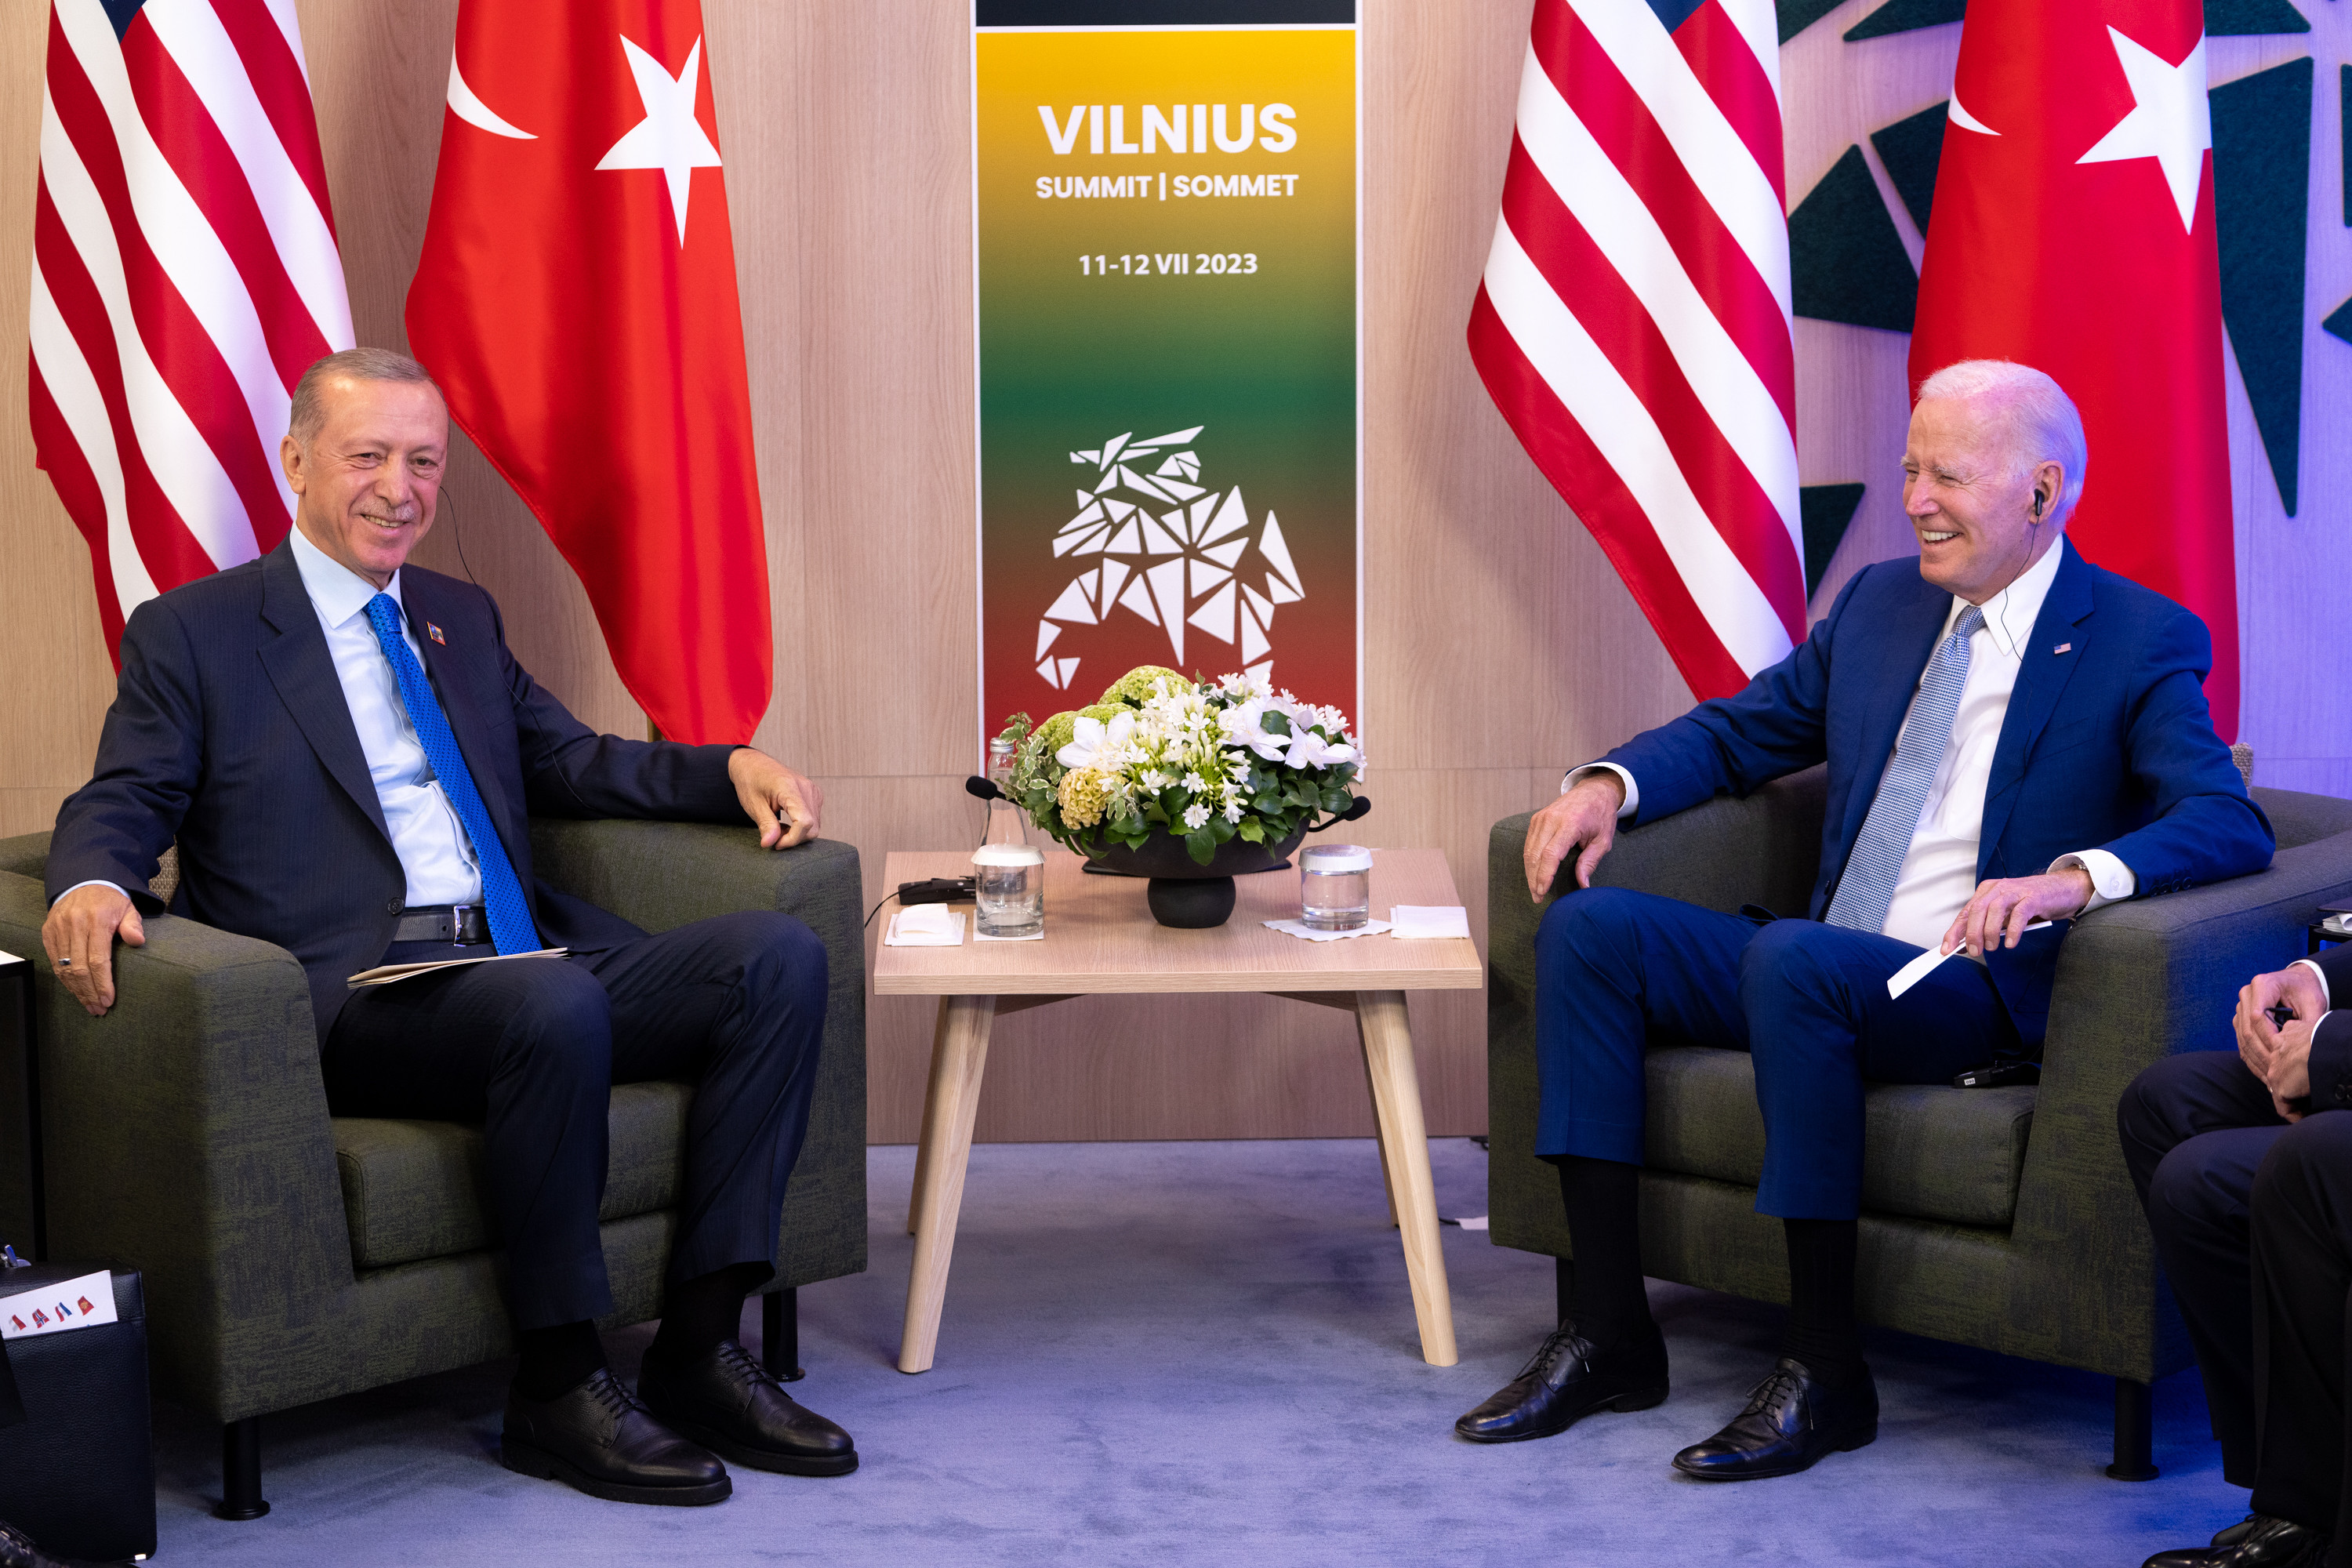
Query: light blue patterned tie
x=1867, y=888
x=510, y=925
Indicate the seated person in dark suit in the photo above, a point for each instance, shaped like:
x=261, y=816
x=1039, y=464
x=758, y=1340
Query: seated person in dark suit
x=349, y=759
x=2012, y=735
x=2244, y=1166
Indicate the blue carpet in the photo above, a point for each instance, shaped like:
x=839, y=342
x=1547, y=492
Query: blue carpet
x=1204, y=1353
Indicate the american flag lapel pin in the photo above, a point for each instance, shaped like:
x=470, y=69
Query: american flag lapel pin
x=2062, y=647
x=435, y=633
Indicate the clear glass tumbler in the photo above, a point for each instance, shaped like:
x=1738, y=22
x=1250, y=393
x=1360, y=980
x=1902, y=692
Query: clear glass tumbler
x=1009, y=880
x=1335, y=887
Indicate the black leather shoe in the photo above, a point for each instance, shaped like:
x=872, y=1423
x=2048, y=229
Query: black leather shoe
x=1570, y=1378
x=2256, y=1541
x=600, y=1440
x=1790, y=1422
x=17, y=1550
x=726, y=1401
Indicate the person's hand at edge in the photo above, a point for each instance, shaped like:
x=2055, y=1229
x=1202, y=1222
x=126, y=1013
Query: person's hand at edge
x=1585, y=817
x=2281, y=1058
x=786, y=805
x=78, y=937
x=1998, y=913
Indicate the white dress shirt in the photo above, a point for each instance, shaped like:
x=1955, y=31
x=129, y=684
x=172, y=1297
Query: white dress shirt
x=425, y=831
x=1940, y=871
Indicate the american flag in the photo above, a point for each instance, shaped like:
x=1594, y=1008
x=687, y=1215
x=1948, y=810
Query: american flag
x=1633, y=324
x=184, y=274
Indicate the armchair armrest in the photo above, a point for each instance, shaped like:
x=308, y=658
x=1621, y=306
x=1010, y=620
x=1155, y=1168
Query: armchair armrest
x=185, y=1133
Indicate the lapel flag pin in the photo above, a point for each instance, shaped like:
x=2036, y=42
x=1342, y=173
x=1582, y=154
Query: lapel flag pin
x=2062, y=647
x=435, y=633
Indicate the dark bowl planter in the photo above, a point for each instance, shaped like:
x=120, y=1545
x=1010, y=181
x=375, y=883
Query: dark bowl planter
x=1182, y=892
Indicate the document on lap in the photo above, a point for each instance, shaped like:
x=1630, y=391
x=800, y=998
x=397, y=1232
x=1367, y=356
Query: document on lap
x=1916, y=971
x=385, y=974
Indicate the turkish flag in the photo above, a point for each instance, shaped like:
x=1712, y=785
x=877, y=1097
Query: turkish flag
x=576, y=301
x=2072, y=231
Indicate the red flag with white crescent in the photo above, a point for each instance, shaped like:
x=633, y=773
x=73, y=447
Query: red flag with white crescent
x=2072, y=231
x=576, y=300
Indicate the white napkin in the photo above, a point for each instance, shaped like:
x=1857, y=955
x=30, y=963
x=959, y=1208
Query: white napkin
x=925, y=925
x=1300, y=929
x=1424, y=920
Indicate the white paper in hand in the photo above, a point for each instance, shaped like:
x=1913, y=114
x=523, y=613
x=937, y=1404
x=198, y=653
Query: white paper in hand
x=1916, y=971
x=82, y=1302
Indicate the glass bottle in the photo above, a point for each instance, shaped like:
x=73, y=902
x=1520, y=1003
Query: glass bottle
x=1005, y=817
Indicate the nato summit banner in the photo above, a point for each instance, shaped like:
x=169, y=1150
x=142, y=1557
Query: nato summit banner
x=1166, y=207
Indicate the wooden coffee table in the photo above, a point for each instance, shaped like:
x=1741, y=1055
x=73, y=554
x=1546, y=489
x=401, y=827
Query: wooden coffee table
x=1100, y=938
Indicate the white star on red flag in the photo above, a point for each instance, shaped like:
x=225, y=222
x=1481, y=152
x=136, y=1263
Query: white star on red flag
x=669, y=138
x=2171, y=121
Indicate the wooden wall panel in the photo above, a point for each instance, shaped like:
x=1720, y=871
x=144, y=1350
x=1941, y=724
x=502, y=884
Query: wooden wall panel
x=1500, y=647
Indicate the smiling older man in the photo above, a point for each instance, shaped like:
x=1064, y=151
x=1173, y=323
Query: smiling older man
x=349, y=759
x=2013, y=736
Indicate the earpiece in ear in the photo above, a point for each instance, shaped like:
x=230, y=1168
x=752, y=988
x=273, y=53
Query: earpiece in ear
x=2037, y=505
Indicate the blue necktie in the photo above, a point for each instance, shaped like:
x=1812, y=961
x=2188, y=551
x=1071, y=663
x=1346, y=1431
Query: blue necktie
x=510, y=927
x=1867, y=888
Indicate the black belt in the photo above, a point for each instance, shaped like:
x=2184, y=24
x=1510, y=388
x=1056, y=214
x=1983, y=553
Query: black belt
x=464, y=924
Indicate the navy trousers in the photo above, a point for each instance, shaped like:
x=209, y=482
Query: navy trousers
x=1616, y=970
x=531, y=1048
x=2196, y=1129
x=2302, y=1254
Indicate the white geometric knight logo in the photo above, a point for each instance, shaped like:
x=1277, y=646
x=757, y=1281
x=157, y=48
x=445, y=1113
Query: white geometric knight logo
x=1172, y=552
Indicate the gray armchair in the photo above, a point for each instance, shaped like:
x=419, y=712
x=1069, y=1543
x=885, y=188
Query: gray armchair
x=2001, y=1218
x=291, y=1255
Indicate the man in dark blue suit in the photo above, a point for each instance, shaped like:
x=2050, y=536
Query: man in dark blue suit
x=348, y=758
x=2244, y=1166
x=2013, y=737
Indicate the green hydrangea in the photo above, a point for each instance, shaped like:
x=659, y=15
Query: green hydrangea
x=1103, y=711
x=1134, y=689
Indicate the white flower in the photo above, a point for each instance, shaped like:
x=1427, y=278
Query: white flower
x=1192, y=781
x=1094, y=744
x=1233, y=810
x=1195, y=815
x=1309, y=750
x=1245, y=726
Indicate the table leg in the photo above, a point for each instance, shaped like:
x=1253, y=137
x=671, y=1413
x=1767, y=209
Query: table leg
x=1404, y=1142
x=1388, y=1174
x=959, y=1055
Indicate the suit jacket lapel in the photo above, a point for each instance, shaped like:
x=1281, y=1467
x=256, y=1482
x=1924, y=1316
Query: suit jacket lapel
x=441, y=662
x=303, y=671
x=1902, y=652
x=2041, y=678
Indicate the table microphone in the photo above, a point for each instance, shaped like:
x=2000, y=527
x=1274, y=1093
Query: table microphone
x=981, y=789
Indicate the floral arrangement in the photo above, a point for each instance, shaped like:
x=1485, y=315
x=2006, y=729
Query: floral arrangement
x=1209, y=763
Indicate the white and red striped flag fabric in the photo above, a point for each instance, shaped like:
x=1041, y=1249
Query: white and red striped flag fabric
x=184, y=275
x=1633, y=323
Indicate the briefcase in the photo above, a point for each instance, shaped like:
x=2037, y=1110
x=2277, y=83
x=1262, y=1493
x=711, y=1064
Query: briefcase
x=78, y=1474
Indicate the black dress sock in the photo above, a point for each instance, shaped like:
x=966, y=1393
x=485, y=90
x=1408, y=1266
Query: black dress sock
x=1606, y=1298
x=555, y=1361
x=705, y=1312
x=1821, y=1331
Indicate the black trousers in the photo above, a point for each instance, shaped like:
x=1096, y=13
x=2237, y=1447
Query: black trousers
x=11, y=1407
x=531, y=1048
x=2194, y=1129
x=2302, y=1313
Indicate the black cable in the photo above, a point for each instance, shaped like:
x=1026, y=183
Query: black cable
x=457, y=537
x=876, y=910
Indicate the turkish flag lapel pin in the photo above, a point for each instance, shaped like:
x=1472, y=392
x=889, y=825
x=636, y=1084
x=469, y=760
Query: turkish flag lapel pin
x=435, y=633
